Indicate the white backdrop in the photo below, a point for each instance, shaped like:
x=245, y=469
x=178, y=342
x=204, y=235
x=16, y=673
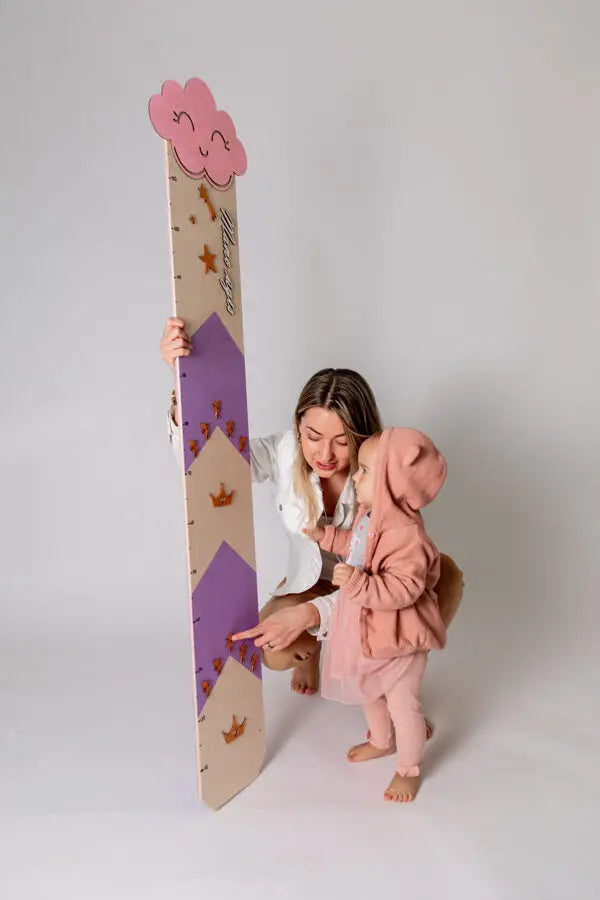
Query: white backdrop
x=422, y=203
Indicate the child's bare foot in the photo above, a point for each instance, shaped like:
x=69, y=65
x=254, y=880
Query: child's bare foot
x=402, y=788
x=363, y=752
x=305, y=677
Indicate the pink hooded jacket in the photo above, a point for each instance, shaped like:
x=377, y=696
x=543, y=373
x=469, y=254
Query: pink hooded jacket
x=396, y=590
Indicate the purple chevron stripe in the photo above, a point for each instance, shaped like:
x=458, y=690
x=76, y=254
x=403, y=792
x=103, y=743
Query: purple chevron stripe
x=214, y=371
x=224, y=602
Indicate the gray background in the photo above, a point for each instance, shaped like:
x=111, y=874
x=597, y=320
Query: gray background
x=422, y=203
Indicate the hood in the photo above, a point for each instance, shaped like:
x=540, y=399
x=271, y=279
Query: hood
x=409, y=474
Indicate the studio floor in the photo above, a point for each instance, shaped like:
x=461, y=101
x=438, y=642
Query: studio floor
x=99, y=797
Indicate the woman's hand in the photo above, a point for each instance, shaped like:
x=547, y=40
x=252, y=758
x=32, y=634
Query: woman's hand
x=280, y=629
x=174, y=342
x=342, y=574
x=315, y=534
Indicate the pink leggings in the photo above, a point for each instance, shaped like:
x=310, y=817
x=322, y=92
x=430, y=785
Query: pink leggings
x=401, y=708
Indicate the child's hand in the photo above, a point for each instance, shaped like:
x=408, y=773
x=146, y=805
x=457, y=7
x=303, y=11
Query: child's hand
x=315, y=534
x=342, y=574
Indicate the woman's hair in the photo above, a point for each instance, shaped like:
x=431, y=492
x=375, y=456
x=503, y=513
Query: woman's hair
x=347, y=394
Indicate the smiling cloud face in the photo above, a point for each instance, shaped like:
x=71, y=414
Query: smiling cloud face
x=203, y=137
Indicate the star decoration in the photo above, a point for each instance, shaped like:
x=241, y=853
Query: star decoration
x=208, y=259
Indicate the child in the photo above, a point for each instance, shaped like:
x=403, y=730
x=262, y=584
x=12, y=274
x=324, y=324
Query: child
x=386, y=616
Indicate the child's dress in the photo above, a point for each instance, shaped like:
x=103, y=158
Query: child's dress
x=349, y=676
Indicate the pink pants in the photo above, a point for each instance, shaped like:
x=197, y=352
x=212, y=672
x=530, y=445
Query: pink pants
x=400, y=710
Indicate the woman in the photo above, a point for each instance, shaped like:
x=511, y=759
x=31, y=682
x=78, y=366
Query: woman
x=311, y=468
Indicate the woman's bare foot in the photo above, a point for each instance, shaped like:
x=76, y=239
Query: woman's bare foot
x=402, y=788
x=305, y=677
x=363, y=752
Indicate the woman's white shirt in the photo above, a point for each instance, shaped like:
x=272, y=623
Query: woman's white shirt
x=272, y=459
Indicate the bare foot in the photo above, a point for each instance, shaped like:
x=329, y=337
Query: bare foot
x=305, y=677
x=363, y=752
x=402, y=788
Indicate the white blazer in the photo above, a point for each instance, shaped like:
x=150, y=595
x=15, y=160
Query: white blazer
x=272, y=459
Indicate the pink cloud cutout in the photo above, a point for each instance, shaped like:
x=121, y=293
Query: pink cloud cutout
x=203, y=137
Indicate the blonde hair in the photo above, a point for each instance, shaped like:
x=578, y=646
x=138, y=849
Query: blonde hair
x=347, y=394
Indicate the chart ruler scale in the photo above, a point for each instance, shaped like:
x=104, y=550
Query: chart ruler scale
x=203, y=156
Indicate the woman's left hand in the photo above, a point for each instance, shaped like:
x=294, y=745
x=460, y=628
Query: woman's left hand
x=281, y=628
x=342, y=574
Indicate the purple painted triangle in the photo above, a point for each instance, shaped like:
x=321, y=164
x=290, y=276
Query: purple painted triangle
x=214, y=371
x=224, y=602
